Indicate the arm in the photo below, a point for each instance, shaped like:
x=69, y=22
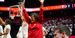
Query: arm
x=45, y=32
x=2, y=21
x=41, y=14
x=1, y=30
x=7, y=31
x=22, y=4
x=26, y=16
x=0, y=34
x=22, y=17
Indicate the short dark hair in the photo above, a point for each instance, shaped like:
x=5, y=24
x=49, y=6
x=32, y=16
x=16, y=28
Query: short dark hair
x=63, y=28
x=8, y=21
x=35, y=15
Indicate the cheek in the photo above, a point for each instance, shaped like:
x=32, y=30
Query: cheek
x=58, y=36
x=33, y=19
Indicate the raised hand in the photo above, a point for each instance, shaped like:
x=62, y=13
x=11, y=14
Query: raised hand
x=21, y=3
x=41, y=1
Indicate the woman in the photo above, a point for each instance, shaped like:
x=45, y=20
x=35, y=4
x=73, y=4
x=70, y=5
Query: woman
x=7, y=28
x=35, y=23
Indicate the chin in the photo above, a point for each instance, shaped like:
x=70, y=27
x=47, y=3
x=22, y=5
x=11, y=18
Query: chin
x=32, y=22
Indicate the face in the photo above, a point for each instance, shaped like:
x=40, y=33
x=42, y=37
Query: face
x=32, y=19
x=57, y=34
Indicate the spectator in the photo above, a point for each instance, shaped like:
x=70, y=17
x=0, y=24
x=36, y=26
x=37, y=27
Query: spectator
x=7, y=28
x=61, y=31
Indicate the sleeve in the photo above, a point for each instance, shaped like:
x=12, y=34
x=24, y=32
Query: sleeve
x=1, y=29
x=26, y=16
x=24, y=23
x=41, y=16
x=8, y=26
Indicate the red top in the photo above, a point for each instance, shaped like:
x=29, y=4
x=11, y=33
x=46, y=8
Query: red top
x=35, y=29
x=72, y=37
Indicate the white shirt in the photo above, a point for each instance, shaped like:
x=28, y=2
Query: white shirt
x=7, y=27
x=43, y=32
x=1, y=31
x=23, y=31
x=19, y=34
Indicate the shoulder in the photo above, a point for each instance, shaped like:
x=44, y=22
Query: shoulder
x=24, y=22
x=8, y=26
x=44, y=28
x=20, y=28
x=0, y=26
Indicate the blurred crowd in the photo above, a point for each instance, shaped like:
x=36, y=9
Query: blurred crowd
x=52, y=23
x=49, y=24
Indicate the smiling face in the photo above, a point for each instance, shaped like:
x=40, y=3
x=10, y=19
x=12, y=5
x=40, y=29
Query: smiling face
x=33, y=19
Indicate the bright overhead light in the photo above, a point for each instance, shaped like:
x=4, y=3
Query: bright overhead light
x=1, y=0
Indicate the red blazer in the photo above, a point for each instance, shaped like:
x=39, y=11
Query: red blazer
x=35, y=29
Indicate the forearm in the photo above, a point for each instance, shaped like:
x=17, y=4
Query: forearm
x=45, y=32
x=26, y=16
x=23, y=4
x=5, y=33
x=41, y=13
x=0, y=34
x=2, y=21
x=22, y=17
